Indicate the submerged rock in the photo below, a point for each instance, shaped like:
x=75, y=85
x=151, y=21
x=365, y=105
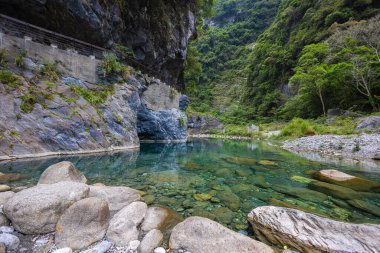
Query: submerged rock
x=197, y=234
x=346, y=180
x=334, y=190
x=36, y=210
x=311, y=233
x=231, y=200
x=117, y=197
x=82, y=224
x=63, y=171
x=301, y=193
x=202, y=196
x=240, y=160
x=365, y=206
x=267, y=163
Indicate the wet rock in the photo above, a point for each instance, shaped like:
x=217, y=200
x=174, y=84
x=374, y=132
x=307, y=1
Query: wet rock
x=63, y=171
x=197, y=234
x=301, y=193
x=201, y=212
x=242, y=187
x=9, y=177
x=267, y=163
x=19, y=188
x=123, y=226
x=4, y=188
x=190, y=166
x=117, y=197
x=82, y=224
x=310, y=233
x=296, y=204
x=11, y=241
x=240, y=160
x=202, y=197
x=5, y=196
x=303, y=180
x=64, y=250
x=161, y=218
x=149, y=199
x=224, y=173
x=231, y=200
x=151, y=240
x=243, y=172
x=36, y=210
x=365, y=206
x=346, y=180
x=334, y=190
x=223, y=215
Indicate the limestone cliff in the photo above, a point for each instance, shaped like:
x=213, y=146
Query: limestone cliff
x=157, y=31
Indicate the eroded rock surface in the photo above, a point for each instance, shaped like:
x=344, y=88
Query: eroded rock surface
x=201, y=235
x=310, y=233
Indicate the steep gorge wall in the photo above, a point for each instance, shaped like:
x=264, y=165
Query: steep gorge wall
x=157, y=31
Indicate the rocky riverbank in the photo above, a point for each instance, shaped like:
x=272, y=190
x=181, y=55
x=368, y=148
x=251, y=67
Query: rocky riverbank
x=63, y=214
x=363, y=147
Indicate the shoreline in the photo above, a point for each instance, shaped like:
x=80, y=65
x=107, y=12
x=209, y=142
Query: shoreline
x=67, y=153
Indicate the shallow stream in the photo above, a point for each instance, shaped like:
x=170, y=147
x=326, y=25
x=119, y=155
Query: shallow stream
x=219, y=179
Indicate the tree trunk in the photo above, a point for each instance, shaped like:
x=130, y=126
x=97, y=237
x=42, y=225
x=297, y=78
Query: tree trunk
x=322, y=102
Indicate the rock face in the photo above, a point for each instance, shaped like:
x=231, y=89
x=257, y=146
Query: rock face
x=36, y=210
x=134, y=23
x=200, y=124
x=117, y=197
x=63, y=171
x=82, y=224
x=370, y=123
x=346, y=180
x=202, y=235
x=123, y=226
x=310, y=233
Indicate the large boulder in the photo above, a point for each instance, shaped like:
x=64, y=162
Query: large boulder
x=161, y=218
x=370, y=123
x=63, y=171
x=307, y=232
x=36, y=210
x=5, y=196
x=117, y=197
x=346, y=180
x=201, y=235
x=123, y=226
x=82, y=224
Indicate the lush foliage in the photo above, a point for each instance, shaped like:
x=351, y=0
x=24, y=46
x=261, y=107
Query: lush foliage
x=111, y=65
x=94, y=97
x=280, y=55
x=217, y=63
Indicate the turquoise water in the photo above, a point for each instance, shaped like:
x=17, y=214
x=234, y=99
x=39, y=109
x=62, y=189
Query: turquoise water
x=219, y=179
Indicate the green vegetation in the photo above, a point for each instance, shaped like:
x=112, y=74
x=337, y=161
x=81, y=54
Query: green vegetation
x=217, y=62
x=9, y=79
x=3, y=56
x=29, y=101
x=50, y=71
x=94, y=97
x=111, y=65
x=285, y=53
x=19, y=59
x=181, y=122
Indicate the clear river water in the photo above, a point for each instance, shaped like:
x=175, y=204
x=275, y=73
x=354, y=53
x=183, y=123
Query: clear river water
x=219, y=179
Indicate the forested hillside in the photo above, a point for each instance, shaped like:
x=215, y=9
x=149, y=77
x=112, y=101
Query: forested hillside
x=343, y=71
x=311, y=56
x=218, y=61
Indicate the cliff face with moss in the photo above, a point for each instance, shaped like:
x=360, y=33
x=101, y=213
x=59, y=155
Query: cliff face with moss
x=156, y=31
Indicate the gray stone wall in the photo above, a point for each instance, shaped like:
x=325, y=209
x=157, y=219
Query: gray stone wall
x=70, y=62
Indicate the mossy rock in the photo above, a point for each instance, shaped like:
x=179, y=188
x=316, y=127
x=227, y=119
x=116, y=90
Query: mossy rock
x=243, y=172
x=334, y=190
x=190, y=166
x=303, y=180
x=203, y=213
x=223, y=215
x=149, y=199
x=240, y=160
x=365, y=206
x=202, y=196
x=340, y=178
x=231, y=200
x=10, y=177
x=242, y=187
x=302, y=193
x=267, y=163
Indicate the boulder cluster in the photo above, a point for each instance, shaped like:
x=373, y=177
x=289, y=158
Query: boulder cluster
x=63, y=214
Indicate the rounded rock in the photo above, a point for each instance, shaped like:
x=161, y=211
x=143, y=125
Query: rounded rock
x=151, y=240
x=159, y=250
x=11, y=241
x=82, y=224
x=63, y=171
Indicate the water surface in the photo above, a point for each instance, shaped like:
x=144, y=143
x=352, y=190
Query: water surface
x=219, y=179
